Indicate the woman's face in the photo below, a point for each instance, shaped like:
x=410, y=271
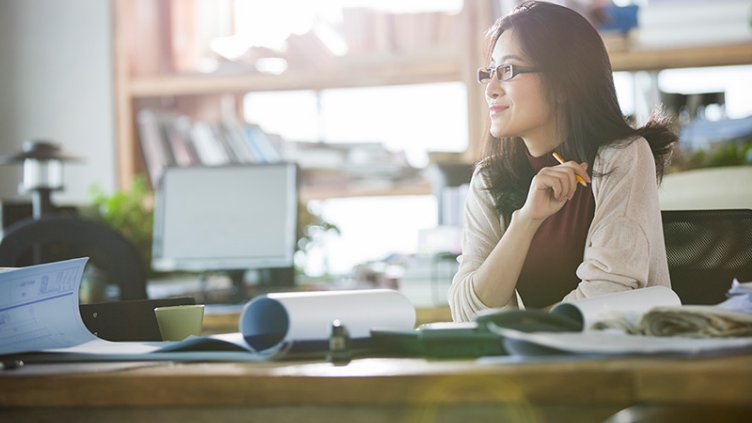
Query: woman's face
x=519, y=106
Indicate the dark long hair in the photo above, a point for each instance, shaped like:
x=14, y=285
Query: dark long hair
x=577, y=77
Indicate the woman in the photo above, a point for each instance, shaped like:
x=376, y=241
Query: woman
x=536, y=231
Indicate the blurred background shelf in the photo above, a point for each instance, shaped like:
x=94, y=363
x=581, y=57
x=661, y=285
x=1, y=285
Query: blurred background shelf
x=442, y=66
x=323, y=193
x=419, y=68
x=682, y=57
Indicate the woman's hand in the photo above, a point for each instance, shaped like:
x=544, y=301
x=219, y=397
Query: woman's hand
x=551, y=188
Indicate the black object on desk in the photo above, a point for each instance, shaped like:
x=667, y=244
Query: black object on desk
x=127, y=320
x=339, y=344
x=11, y=364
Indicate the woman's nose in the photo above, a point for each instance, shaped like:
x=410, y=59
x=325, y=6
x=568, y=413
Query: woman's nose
x=493, y=88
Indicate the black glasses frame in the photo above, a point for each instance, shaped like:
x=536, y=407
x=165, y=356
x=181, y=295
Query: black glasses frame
x=485, y=74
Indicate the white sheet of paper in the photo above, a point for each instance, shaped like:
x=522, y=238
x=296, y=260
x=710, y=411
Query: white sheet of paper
x=632, y=303
x=304, y=316
x=39, y=307
x=101, y=346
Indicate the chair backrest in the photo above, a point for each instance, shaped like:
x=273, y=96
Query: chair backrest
x=57, y=237
x=706, y=250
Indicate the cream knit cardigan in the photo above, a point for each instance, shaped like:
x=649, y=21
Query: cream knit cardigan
x=624, y=248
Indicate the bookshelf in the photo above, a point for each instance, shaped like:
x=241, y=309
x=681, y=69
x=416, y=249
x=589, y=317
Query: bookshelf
x=152, y=81
x=456, y=62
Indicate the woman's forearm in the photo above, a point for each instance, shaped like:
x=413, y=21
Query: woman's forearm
x=495, y=280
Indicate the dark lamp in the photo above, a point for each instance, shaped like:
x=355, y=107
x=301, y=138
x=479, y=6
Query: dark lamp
x=42, y=170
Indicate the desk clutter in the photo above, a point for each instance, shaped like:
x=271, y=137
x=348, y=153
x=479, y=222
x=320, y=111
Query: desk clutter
x=337, y=325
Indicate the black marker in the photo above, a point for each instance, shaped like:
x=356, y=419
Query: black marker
x=339, y=344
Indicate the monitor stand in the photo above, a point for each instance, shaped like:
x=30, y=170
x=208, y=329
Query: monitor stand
x=268, y=280
x=278, y=277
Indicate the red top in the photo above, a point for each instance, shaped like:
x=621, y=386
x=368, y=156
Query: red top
x=557, y=247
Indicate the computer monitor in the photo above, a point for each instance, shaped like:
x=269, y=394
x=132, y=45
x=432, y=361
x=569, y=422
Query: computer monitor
x=226, y=218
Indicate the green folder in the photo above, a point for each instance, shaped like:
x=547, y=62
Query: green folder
x=471, y=339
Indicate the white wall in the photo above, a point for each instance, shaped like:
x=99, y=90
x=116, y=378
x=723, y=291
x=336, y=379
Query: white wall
x=56, y=82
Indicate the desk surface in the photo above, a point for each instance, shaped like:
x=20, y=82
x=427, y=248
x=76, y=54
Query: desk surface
x=590, y=386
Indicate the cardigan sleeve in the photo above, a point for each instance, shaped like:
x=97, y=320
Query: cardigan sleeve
x=481, y=232
x=624, y=245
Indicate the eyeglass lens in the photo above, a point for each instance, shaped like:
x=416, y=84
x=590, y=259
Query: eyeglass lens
x=503, y=73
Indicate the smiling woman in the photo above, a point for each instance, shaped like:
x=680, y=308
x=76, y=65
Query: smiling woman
x=533, y=235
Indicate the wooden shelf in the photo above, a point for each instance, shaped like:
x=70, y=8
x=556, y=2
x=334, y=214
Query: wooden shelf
x=443, y=66
x=438, y=66
x=324, y=193
x=683, y=57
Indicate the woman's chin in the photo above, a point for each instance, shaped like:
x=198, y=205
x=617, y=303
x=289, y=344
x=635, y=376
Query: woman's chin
x=498, y=133
x=499, y=130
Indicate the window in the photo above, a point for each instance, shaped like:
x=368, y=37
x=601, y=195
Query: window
x=412, y=118
x=372, y=229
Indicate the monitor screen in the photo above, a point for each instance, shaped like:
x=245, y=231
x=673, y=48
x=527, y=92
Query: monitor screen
x=226, y=217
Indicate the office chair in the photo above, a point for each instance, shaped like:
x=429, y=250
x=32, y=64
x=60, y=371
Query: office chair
x=59, y=237
x=706, y=250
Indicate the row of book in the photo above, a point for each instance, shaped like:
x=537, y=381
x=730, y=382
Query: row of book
x=168, y=139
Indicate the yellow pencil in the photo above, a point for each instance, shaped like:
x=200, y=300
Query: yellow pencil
x=561, y=160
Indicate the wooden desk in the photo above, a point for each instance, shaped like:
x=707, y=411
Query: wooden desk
x=380, y=390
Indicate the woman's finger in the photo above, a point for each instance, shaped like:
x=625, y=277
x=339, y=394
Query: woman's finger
x=548, y=179
x=567, y=179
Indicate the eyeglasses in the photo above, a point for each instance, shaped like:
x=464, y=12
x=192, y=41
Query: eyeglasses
x=503, y=72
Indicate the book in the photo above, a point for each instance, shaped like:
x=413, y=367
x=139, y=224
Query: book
x=223, y=142
x=209, y=149
x=177, y=129
x=244, y=152
x=156, y=152
x=260, y=143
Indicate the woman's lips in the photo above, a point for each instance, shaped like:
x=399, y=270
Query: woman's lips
x=497, y=108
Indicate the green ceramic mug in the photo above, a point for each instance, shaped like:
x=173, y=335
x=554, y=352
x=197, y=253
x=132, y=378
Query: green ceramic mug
x=178, y=322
